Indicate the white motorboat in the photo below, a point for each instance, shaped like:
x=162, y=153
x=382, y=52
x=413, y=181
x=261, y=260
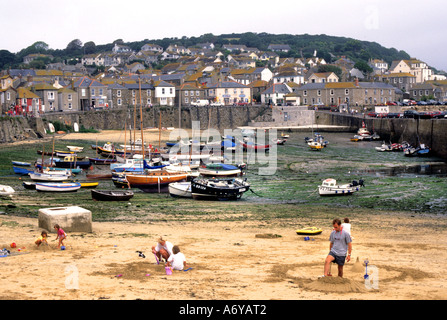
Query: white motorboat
x=180, y=189
x=57, y=187
x=36, y=176
x=6, y=190
x=75, y=149
x=329, y=187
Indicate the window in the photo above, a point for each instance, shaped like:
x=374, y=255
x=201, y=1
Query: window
x=148, y=101
x=8, y=95
x=331, y=92
x=170, y=90
x=83, y=92
x=186, y=93
x=305, y=93
x=162, y=90
x=51, y=95
x=305, y=101
x=93, y=92
x=346, y=91
x=70, y=106
x=100, y=92
x=133, y=93
x=318, y=92
x=197, y=93
x=118, y=93
x=133, y=101
x=186, y=100
x=119, y=102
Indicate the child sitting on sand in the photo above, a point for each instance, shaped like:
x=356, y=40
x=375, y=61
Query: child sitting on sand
x=42, y=239
x=61, y=235
x=177, y=260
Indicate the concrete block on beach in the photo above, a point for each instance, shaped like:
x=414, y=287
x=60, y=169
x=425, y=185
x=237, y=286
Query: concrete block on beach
x=70, y=219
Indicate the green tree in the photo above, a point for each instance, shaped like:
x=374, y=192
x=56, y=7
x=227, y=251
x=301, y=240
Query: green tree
x=6, y=59
x=89, y=47
x=364, y=67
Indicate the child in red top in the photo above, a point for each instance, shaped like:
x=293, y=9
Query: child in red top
x=61, y=235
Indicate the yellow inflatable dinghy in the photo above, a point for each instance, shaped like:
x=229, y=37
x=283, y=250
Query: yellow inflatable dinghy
x=309, y=231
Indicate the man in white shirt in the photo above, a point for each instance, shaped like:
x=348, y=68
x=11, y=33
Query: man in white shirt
x=163, y=249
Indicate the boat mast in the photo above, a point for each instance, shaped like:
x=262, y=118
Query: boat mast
x=141, y=119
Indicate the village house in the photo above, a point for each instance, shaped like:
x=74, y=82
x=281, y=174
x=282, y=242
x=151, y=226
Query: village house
x=379, y=66
x=67, y=100
x=93, y=59
x=164, y=93
x=138, y=93
x=29, y=102
x=8, y=98
x=31, y=57
x=188, y=93
x=288, y=76
x=402, y=80
x=275, y=94
x=152, y=47
x=120, y=48
x=416, y=67
x=48, y=96
x=229, y=93
x=279, y=47
x=117, y=96
x=424, y=91
x=351, y=93
x=322, y=77
x=235, y=47
x=91, y=94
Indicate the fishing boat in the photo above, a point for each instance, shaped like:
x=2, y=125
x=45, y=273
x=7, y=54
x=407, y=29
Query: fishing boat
x=88, y=184
x=38, y=176
x=72, y=170
x=314, y=145
x=103, y=161
x=119, y=180
x=112, y=195
x=6, y=190
x=29, y=185
x=21, y=164
x=309, y=231
x=73, y=162
x=421, y=150
x=58, y=187
x=218, y=189
x=155, y=181
x=21, y=171
x=221, y=170
x=247, y=146
x=329, y=187
x=75, y=149
x=180, y=189
x=136, y=166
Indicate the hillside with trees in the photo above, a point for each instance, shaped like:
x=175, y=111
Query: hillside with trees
x=327, y=47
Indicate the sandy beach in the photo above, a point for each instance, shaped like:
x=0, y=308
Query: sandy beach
x=229, y=260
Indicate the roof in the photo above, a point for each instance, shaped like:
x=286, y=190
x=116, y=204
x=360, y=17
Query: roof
x=227, y=84
x=277, y=88
x=44, y=86
x=27, y=94
x=398, y=75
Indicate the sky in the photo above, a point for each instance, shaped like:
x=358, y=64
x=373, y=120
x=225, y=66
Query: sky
x=417, y=27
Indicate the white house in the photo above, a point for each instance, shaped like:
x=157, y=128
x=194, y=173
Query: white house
x=276, y=94
x=164, y=93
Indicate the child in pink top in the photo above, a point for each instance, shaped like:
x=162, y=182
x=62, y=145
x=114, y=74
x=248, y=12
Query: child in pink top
x=61, y=235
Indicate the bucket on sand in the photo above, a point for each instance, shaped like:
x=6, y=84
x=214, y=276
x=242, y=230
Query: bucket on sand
x=306, y=238
x=168, y=270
